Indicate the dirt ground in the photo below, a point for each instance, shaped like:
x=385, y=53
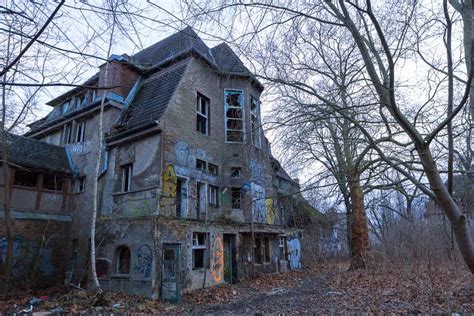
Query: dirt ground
x=322, y=288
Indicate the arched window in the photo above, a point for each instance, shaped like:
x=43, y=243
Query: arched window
x=122, y=262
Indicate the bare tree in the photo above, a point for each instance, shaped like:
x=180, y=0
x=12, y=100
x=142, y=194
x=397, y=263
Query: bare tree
x=384, y=41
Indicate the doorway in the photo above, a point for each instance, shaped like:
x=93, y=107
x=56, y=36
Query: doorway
x=170, y=287
x=230, y=259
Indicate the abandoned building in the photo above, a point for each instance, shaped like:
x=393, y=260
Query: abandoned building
x=189, y=194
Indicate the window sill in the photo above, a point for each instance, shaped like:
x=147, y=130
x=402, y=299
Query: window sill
x=132, y=191
x=120, y=276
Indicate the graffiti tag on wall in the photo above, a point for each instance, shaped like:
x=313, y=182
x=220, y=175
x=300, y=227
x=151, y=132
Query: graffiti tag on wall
x=271, y=211
x=217, y=263
x=257, y=172
x=168, y=193
x=259, y=210
x=144, y=261
x=294, y=253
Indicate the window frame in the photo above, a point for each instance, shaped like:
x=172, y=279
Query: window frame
x=204, y=164
x=25, y=173
x=255, y=127
x=213, y=197
x=79, y=132
x=199, y=113
x=215, y=167
x=62, y=181
x=232, y=189
x=239, y=170
x=78, y=187
x=204, y=248
x=126, y=180
x=242, y=108
x=117, y=268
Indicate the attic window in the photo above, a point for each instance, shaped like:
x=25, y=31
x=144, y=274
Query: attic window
x=202, y=114
x=234, y=116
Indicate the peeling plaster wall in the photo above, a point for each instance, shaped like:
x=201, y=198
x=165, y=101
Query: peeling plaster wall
x=183, y=145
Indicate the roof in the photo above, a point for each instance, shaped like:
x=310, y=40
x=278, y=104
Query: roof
x=227, y=60
x=29, y=152
x=152, y=99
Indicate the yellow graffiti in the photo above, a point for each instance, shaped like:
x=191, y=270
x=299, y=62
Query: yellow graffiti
x=169, y=182
x=217, y=266
x=271, y=212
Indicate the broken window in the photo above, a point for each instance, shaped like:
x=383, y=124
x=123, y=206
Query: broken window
x=122, y=261
x=127, y=172
x=202, y=114
x=234, y=115
x=213, y=195
x=52, y=182
x=79, y=185
x=200, y=251
x=213, y=169
x=201, y=164
x=235, y=172
x=258, y=250
x=255, y=121
x=80, y=130
x=67, y=137
x=25, y=179
x=235, y=198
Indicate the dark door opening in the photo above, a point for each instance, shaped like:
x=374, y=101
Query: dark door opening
x=170, y=289
x=230, y=259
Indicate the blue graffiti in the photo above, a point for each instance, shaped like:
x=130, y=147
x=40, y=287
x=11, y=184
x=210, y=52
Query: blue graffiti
x=294, y=253
x=259, y=209
x=144, y=261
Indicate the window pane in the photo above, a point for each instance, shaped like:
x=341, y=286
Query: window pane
x=235, y=124
x=235, y=136
x=234, y=113
x=51, y=182
x=25, y=179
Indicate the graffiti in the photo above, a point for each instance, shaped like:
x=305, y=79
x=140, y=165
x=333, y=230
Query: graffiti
x=258, y=174
x=259, y=210
x=182, y=153
x=294, y=253
x=167, y=201
x=217, y=264
x=169, y=182
x=271, y=211
x=144, y=261
x=26, y=254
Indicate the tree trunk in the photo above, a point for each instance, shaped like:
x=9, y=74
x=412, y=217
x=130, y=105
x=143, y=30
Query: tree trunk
x=6, y=194
x=359, y=228
x=449, y=206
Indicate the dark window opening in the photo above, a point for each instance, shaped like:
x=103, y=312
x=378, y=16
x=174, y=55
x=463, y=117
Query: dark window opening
x=52, y=182
x=123, y=258
x=200, y=164
x=258, y=251
x=127, y=172
x=255, y=121
x=25, y=179
x=282, y=245
x=266, y=245
x=80, y=185
x=235, y=172
x=200, y=251
x=202, y=114
x=213, y=169
x=235, y=198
